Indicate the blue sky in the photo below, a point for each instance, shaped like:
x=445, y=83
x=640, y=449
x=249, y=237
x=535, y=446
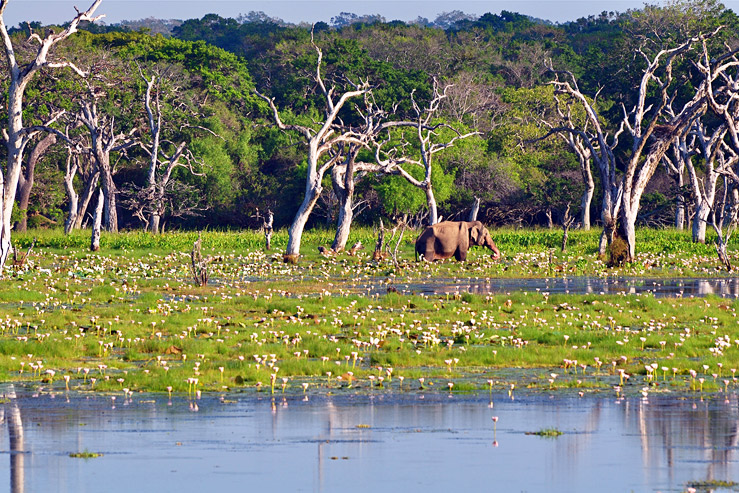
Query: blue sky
x=56, y=11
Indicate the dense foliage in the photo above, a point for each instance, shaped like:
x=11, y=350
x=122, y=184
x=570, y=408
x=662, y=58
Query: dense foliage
x=499, y=87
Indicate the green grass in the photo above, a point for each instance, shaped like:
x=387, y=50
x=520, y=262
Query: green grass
x=130, y=317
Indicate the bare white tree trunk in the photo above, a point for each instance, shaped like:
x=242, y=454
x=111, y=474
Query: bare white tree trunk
x=268, y=230
x=329, y=135
x=313, y=189
x=676, y=169
x=475, y=210
x=587, y=195
x=342, y=178
x=97, y=222
x=72, y=196
x=346, y=216
x=650, y=140
x=680, y=206
x=431, y=204
x=428, y=142
x=17, y=135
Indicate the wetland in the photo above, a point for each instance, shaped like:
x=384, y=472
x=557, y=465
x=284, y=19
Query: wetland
x=358, y=365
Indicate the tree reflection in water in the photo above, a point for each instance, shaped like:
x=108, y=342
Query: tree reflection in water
x=703, y=431
x=725, y=287
x=432, y=440
x=10, y=413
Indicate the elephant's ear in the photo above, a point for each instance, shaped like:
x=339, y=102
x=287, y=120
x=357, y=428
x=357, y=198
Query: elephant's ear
x=475, y=233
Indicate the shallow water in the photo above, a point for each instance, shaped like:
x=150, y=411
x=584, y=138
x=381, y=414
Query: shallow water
x=414, y=442
x=724, y=287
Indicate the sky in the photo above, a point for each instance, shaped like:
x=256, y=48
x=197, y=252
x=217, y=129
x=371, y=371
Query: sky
x=59, y=11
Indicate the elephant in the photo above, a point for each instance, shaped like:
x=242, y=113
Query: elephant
x=453, y=238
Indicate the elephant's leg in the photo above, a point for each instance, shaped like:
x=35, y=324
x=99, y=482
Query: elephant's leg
x=460, y=255
x=429, y=255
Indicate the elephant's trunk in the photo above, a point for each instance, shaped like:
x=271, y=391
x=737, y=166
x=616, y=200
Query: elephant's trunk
x=491, y=246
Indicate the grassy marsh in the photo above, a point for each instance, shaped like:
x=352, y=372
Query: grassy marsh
x=129, y=319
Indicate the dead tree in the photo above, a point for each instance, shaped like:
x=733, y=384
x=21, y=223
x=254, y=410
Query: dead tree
x=347, y=171
x=722, y=79
x=565, y=115
x=17, y=135
x=268, y=230
x=723, y=90
x=400, y=226
x=725, y=230
x=703, y=189
x=105, y=141
x=26, y=178
x=267, y=227
x=79, y=164
x=427, y=140
x=675, y=165
x=567, y=222
x=343, y=182
x=97, y=221
x=650, y=138
x=584, y=156
x=199, y=264
x=650, y=135
x=164, y=157
x=344, y=178
x=320, y=139
x=72, y=196
x=475, y=210
x=549, y=213
x=600, y=144
x=379, y=252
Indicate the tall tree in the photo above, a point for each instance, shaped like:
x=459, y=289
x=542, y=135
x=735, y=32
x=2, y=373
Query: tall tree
x=710, y=146
x=429, y=139
x=651, y=131
x=105, y=140
x=164, y=155
x=27, y=177
x=17, y=134
x=320, y=138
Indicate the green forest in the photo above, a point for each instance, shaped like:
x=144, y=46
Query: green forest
x=615, y=121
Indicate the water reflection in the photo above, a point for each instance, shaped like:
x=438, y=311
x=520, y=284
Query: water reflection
x=367, y=443
x=11, y=414
x=704, y=433
x=724, y=287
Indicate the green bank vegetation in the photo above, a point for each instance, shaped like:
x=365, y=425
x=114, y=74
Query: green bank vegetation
x=130, y=319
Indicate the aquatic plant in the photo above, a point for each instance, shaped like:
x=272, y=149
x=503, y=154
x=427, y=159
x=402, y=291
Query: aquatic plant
x=85, y=455
x=153, y=330
x=546, y=433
